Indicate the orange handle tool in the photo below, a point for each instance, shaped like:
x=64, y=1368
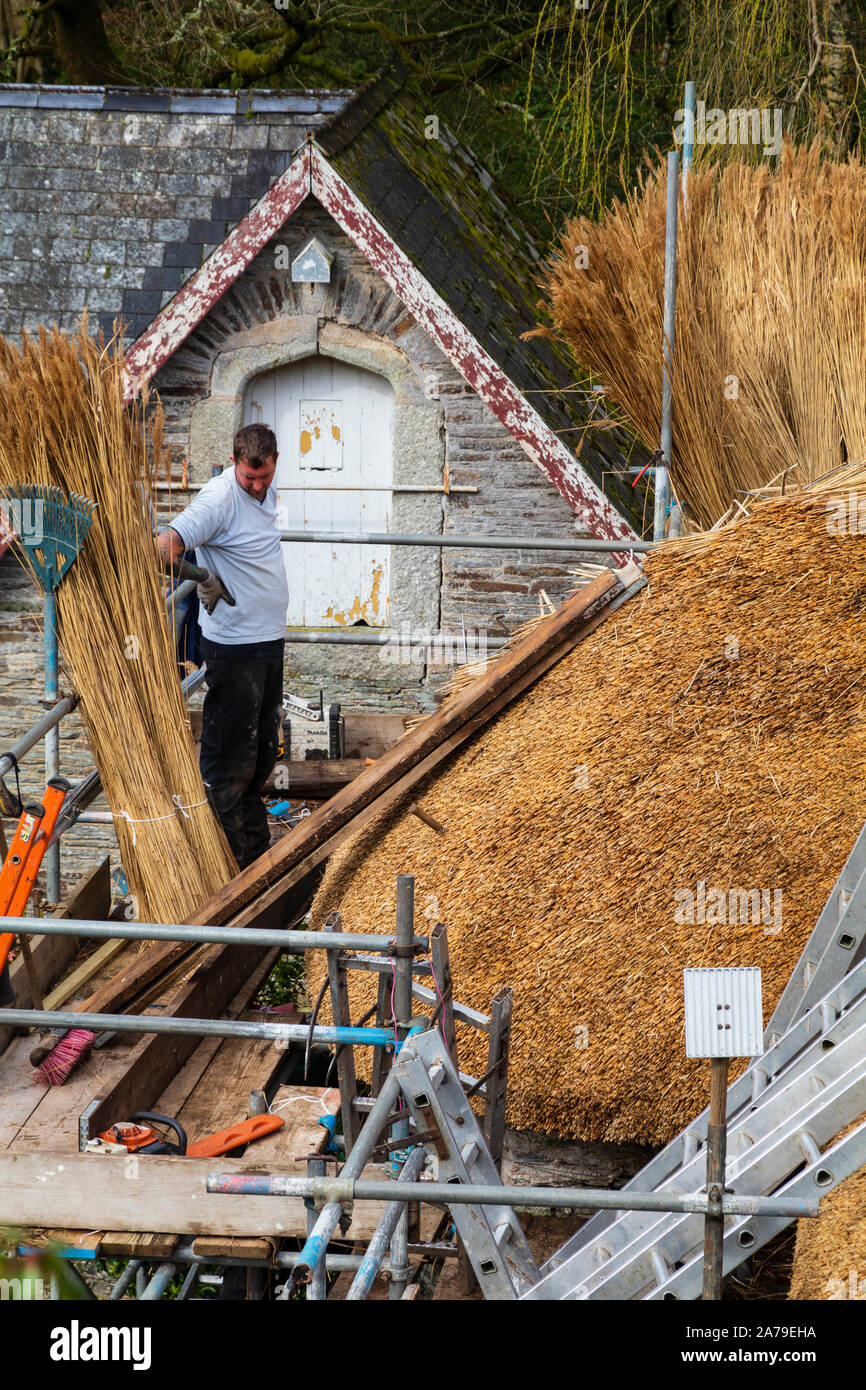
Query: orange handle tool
x=55, y=794
x=244, y=1133
x=30, y=852
x=18, y=852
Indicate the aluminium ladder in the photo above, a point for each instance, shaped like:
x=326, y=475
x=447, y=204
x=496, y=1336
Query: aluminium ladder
x=445, y=1123
x=610, y=1255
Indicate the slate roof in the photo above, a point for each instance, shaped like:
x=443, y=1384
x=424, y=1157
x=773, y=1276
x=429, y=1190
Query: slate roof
x=113, y=197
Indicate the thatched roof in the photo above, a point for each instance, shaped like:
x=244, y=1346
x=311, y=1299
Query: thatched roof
x=711, y=731
x=830, y=1254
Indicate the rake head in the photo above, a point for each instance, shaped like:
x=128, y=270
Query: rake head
x=50, y=529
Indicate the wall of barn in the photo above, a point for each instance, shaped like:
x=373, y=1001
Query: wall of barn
x=442, y=430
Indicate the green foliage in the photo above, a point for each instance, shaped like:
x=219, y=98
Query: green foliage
x=558, y=98
x=285, y=984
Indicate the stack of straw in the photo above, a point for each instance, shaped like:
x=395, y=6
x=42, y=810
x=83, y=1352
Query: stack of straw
x=770, y=323
x=63, y=422
x=713, y=731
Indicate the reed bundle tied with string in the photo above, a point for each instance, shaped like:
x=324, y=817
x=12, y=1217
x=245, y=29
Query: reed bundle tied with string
x=711, y=732
x=770, y=321
x=63, y=422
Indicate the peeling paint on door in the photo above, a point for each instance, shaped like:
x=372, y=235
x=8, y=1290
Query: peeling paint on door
x=334, y=426
x=320, y=435
x=362, y=610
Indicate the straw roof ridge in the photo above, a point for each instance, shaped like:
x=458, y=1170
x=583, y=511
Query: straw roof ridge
x=709, y=732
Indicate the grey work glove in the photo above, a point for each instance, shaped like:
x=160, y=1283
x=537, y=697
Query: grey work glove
x=210, y=591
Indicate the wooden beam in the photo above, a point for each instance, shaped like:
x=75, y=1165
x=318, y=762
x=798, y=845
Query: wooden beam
x=317, y=778
x=93, y=1192
x=407, y=762
x=52, y=954
x=71, y=983
x=285, y=866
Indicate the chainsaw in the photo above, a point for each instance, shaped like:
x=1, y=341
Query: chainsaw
x=137, y=1136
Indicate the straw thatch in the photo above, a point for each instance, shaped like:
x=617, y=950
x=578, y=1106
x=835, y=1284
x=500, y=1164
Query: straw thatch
x=63, y=422
x=770, y=320
x=711, y=730
x=830, y=1254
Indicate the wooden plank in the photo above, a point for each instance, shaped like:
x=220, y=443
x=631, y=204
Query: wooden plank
x=52, y=954
x=369, y=735
x=222, y=1097
x=210, y=1248
x=140, y=1245
x=91, y=900
x=89, y=1192
x=83, y=973
x=301, y=1134
x=317, y=778
x=155, y=1060
x=78, y=1240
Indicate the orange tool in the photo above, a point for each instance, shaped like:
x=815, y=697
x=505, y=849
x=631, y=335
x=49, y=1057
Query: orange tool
x=142, y=1138
x=254, y=1128
x=23, y=868
x=18, y=852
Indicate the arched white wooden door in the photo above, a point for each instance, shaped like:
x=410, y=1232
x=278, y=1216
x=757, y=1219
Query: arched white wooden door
x=334, y=425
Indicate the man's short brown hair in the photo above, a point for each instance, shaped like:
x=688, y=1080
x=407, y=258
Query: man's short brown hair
x=255, y=444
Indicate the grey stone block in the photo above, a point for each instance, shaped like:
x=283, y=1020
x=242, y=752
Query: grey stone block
x=169, y=229
x=79, y=200
x=203, y=231
x=170, y=182
x=180, y=253
x=15, y=272
x=144, y=253
x=249, y=135
x=20, y=222
x=191, y=207
x=147, y=302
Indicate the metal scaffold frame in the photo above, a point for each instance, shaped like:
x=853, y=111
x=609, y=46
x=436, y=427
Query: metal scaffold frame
x=441, y=1153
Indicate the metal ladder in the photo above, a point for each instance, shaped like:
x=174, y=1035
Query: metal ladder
x=492, y=1236
x=802, y=1030
x=791, y=1121
x=834, y=947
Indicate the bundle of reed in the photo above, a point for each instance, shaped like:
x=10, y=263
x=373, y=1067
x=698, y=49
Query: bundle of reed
x=710, y=732
x=770, y=320
x=63, y=422
x=830, y=1254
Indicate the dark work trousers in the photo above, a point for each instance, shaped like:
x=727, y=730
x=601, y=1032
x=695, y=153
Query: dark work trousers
x=240, y=738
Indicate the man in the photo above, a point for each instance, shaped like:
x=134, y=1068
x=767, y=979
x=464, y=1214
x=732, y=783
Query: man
x=232, y=526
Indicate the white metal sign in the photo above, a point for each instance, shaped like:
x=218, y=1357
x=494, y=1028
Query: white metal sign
x=724, y=1014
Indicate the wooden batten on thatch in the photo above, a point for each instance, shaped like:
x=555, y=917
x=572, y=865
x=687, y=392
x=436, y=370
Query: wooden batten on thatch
x=711, y=732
